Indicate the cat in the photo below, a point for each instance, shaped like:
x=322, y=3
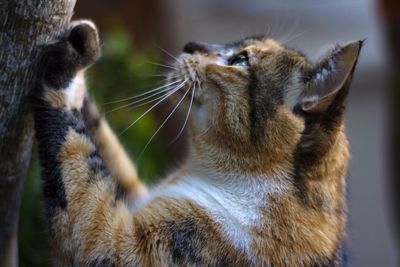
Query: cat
x=263, y=185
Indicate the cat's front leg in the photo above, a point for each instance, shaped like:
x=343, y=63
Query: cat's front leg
x=65, y=63
x=80, y=196
x=112, y=152
x=59, y=98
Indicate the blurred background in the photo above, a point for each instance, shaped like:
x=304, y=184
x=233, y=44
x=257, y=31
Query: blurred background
x=136, y=33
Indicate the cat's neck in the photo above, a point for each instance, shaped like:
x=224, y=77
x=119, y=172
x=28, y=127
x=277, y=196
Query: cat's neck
x=236, y=181
x=225, y=165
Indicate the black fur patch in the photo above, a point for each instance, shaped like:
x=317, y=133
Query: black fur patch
x=193, y=47
x=120, y=192
x=96, y=164
x=185, y=241
x=91, y=115
x=51, y=127
x=102, y=263
x=264, y=98
x=256, y=116
x=60, y=63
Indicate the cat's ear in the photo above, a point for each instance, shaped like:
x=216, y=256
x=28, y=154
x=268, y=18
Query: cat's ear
x=329, y=76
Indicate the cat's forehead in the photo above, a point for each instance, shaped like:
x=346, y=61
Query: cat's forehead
x=256, y=43
x=253, y=44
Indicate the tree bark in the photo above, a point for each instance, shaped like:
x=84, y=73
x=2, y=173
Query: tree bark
x=26, y=25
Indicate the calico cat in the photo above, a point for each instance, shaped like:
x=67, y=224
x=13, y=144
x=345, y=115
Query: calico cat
x=264, y=182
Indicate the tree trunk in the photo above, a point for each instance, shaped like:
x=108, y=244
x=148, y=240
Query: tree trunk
x=25, y=26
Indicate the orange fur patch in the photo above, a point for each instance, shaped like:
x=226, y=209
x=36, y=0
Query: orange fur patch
x=56, y=98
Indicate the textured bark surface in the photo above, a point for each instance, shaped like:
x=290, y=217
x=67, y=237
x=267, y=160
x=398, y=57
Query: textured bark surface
x=25, y=26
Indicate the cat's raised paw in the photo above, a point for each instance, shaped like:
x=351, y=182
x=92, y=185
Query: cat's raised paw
x=84, y=38
x=75, y=50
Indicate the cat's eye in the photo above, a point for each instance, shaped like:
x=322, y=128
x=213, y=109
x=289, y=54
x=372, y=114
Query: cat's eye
x=241, y=60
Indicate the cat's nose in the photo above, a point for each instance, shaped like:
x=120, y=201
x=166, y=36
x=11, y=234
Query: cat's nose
x=193, y=47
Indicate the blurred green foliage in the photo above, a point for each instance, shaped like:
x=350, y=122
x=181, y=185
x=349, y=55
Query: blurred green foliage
x=122, y=72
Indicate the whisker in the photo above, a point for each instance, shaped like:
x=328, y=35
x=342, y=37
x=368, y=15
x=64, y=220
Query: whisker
x=152, y=107
x=165, y=121
x=282, y=24
x=162, y=81
x=290, y=30
x=268, y=30
x=186, y=119
x=163, y=75
x=205, y=131
x=294, y=37
x=168, y=53
x=143, y=94
x=162, y=65
x=138, y=102
x=209, y=127
x=148, y=102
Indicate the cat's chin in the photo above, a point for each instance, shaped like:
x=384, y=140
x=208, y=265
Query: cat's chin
x=188, y=95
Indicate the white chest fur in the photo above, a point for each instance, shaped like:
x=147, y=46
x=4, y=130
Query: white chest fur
x=76, y=91
x=234, y=201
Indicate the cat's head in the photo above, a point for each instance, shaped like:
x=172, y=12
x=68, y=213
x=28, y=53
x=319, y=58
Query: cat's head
x=254, y=99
